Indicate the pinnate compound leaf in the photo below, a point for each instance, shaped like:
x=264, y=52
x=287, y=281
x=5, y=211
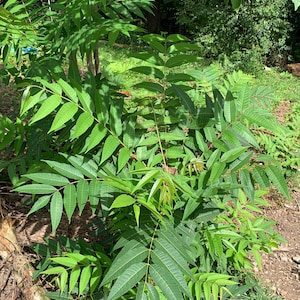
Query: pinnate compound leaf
x=165, y=282
x=48, y=178
x=56, y=209
x=36, y=189
x=48, y=106
x=127, y=280
x=65, y=114
x=64, y=169
x=122, y=201
x=109, y=147
x=278, y=180
x=184, y=98
x=69, y=200
x=40, y=203
x=83, y=123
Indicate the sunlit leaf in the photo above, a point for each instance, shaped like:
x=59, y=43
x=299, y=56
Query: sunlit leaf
x=109, y=147
x=47, y=107
x=65, y=114
x=122, y=201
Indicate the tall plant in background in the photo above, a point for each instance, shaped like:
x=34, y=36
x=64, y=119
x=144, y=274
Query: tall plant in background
x=175, y=182
x=257, y=32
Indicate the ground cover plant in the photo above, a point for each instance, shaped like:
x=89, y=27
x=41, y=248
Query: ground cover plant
x=176, y=177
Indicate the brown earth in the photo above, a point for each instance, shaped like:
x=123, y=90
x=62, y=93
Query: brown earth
x=281, y=270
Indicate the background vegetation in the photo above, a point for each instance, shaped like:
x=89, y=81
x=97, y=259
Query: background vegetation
x=173, y=156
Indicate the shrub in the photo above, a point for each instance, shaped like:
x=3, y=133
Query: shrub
x=257, y=27
x=175, y=181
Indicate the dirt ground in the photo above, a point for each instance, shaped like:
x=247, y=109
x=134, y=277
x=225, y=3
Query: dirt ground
x=281, y=270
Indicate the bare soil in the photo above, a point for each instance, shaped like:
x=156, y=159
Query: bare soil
x=281, y=270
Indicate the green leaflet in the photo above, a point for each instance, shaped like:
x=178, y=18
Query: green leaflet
x=70, y=200
x=163, y=260
x=177, y=259
x=150, y=71
x=83, y=123
x=109, y=147
x=165, y=282
x=56, y=209
x=95, y=193
x=84, y=278
x=82, y=194
x=127, y=280
x=278, y=180
x=97, y=135
x=217, y=171
x=230, y=111
x=123, y=261
x=123, y=158
x=122, y=201
x=116, y=110
x=48, y=178
x=184, y=98
x=232, y=154
x=75, y=273
x=180, y=59
x=65, y=261
x=65, y=169
x=29, y=101
x=95, y=278
x=47, y=107
x=150, y=86
x=36, y=189
x=146, y=179
x=40, y=203
x=68, y=90
x=262, y=119
x=260, y=177
x=65, y=114
x=87, y=167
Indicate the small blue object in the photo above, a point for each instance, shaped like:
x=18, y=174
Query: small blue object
x=29, y=50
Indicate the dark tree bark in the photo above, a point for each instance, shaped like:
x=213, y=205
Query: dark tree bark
x=154, y=20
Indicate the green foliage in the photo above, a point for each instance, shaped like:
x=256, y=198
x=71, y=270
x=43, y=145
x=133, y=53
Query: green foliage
x=176, y=181
x=256, y=33
x=175, y=178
